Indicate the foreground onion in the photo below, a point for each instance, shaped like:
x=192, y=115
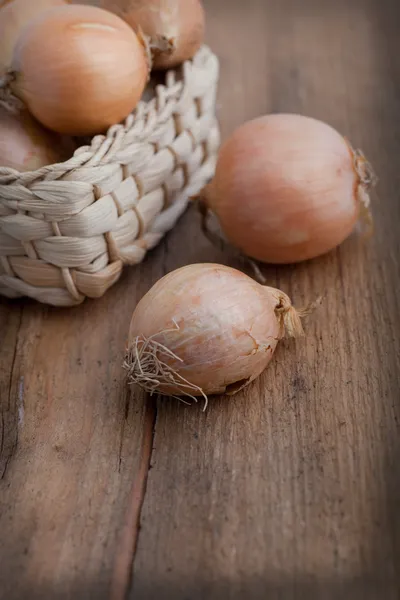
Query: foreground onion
x=288, y=188
x=26, y=146
x=13, y=18
x=206, y=329
x=175, y=27
x=78, y=69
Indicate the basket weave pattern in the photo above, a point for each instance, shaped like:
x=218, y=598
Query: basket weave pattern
x=67, y=230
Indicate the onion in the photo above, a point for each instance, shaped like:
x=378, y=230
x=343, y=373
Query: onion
x=175, y=27
x=288, y=188
x=206, y=329
x=26, y=146
x=78, y=69
x=13, y=18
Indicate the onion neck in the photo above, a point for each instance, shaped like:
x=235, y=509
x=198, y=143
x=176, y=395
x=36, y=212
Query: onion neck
x=162, y=45
x=366, y=179
x=365, y=172
x=288, y=316
x=6, y=81
x=8, y=97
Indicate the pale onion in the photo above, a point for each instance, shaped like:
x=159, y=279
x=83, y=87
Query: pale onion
x=13, y=18
x=288, y=188
x=26, y=146
x=206, y=329
x=78, y=69
x=175, y=27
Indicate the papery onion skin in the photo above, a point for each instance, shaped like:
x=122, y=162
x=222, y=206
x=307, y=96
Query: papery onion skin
x=27, y=146
x=222, y=326
x=79, y=69
x=287, y=188
x=5, y=2
x=178, y=23
x=14, y=16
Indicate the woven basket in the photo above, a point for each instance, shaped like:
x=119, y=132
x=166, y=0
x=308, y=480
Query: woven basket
x=67, y=230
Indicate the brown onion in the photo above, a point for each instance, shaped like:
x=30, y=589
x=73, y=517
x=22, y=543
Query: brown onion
x=288, y=188
x=206, y=329
x=175, y=27
x=13, y=18
x=78, y=69
x=26, y=146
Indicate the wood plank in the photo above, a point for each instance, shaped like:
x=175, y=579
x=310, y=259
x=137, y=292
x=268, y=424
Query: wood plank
x=10, y=321
x=289, y=490
x=73, y=485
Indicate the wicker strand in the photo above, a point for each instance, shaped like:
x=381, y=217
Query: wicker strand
x=67, y=229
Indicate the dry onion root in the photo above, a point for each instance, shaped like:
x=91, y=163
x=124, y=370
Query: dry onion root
x=288, y=188
x=206, y=329
x=78, y=69
x=175, y=27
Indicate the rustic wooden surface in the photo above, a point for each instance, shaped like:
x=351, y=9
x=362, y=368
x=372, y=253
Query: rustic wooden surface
x=291, y=489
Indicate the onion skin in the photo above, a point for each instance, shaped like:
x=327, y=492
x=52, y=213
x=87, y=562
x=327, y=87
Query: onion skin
x=288, y=188
x=222, y=326
x=5, y=2
x=27, y=146
x=14, y=16
x=177, y=26
x=95, y=78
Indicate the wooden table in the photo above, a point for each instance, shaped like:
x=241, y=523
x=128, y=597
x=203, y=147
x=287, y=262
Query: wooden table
x=290, y=490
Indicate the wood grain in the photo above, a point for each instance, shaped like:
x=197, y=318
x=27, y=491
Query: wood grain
x=72, y=486
x=9, y=326
x=289, y=490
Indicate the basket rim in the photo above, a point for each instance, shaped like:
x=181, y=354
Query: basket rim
x=142, y=122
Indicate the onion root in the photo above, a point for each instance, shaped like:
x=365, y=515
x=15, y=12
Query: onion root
x=145, y=367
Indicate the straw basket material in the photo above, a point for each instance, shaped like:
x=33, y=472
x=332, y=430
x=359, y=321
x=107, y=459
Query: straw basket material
x=67, y=230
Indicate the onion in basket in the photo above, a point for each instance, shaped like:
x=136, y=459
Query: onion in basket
x=175, y=27
x=206, y=329
x=78, y=69
x=288, y=188
x=26, y=146
x=13, y=18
